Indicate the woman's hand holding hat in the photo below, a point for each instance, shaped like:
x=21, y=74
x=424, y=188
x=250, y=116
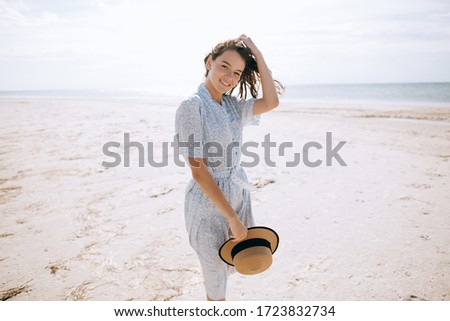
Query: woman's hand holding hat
x=238, y=229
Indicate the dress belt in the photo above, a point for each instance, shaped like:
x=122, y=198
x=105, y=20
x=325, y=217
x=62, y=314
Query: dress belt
x=232, y=173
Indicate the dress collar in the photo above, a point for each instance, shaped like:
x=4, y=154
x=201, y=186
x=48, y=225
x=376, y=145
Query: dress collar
x=204, y=92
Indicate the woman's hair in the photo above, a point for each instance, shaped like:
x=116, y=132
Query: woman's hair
x=250, y=79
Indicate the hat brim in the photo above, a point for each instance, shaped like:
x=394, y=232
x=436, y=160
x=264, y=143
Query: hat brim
x=253, y=232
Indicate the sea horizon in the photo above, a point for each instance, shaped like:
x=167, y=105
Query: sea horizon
x=435, y=93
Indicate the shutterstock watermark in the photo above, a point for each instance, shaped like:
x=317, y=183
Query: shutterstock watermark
x=218, y=155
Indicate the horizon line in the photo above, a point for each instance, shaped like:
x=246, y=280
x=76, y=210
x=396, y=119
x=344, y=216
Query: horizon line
x=167, y=89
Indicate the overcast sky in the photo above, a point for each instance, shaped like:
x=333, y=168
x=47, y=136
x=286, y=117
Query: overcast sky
x=115, y=44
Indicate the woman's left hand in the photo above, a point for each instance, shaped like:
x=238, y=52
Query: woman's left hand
x=249, y=43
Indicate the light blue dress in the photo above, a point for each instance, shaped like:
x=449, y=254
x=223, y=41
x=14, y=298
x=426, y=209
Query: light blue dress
x=210, y=123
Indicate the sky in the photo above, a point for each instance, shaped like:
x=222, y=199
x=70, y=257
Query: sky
x=159, y=45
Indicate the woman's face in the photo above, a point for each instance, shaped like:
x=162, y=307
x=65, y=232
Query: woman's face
x=225, y=72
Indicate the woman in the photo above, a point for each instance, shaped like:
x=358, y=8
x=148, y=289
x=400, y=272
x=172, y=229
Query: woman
x=209, y=134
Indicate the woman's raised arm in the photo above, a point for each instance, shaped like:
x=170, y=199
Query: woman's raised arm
x=269, y=99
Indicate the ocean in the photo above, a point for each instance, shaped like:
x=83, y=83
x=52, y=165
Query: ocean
x=400, y=93
x=435, y=94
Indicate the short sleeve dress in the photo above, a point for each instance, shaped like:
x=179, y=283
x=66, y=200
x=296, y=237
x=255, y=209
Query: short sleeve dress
x=212, y=127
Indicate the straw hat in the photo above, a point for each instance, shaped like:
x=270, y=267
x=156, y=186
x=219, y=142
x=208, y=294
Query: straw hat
x=253, y=254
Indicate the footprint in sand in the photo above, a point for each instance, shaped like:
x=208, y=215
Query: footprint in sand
x=260, y=182
x=414, y=298
x=431, y=174
x=56, y=268
x=163, y=210
x=10, y=293
x=420, y=186
x=78, y=293
x=2, y=235
x=163, y=191
x=410, y=198
x=8, y=193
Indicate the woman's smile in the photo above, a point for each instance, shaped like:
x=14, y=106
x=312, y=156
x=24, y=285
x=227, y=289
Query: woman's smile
x=224, y=83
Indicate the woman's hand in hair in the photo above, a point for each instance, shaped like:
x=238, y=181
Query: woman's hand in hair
x=250, y=44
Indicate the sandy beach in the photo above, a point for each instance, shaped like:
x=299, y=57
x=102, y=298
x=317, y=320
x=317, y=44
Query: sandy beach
x=72, y=229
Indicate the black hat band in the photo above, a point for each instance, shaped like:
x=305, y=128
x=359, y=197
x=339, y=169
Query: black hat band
x=249, y=243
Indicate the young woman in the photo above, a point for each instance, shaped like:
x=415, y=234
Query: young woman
x=209, y=134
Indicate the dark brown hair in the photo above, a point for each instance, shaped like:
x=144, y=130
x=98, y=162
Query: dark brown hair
x=250, y=79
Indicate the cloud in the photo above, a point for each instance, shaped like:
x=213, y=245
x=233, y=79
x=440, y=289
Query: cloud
x=357, y=30
x=17, y=13
x=443, y=16
x=164, y=41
